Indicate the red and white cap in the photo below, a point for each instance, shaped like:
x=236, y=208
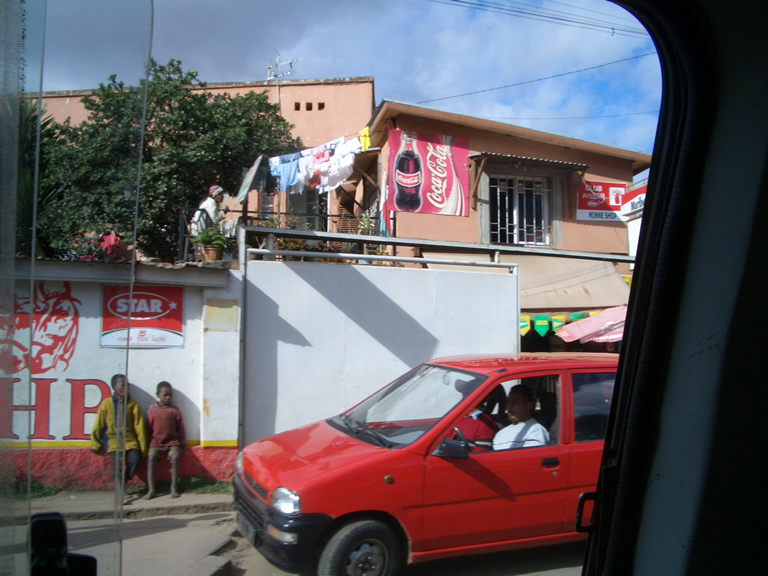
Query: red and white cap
x=215, y=190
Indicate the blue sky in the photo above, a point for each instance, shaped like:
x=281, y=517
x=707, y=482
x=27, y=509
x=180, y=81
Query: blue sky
x=416, y=50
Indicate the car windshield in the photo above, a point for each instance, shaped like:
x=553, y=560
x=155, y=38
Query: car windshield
x=403, y=411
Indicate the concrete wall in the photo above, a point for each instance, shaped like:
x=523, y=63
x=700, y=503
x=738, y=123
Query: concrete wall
x=318, y=339
x=180, y=366
x=321, y=338
x=72, y=378
x=348, y=104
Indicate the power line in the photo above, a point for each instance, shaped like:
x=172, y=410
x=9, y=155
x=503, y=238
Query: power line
x=570, y=117
x=548, y=15
x=526, y=10
x=570, y=16
x=626, y=18
x=537, y=79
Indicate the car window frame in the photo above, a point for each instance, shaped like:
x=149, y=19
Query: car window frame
x=486, y=388
x=572, y=400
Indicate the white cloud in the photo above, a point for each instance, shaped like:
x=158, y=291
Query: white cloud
x=416, y=50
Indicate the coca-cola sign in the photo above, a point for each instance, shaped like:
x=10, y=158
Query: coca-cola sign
x=428, y=174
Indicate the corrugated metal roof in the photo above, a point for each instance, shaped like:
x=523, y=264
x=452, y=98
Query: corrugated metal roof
x=574, y=165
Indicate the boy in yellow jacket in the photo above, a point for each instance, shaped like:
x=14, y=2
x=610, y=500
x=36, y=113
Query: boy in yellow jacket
x=109, y=421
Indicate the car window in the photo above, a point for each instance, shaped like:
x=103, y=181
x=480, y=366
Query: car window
x=545, y=390
x=592, y=395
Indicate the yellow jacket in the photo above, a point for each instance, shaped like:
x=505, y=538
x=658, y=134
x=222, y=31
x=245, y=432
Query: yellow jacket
x=135, y=434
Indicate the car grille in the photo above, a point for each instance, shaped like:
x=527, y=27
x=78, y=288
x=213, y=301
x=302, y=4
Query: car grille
x=258, y=488
x=256, y=520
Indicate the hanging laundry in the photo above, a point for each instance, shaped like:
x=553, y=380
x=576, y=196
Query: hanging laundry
x=324, y=168
x=286, y=158
x=347, y=160
x=306, y=169
x=365, y=139
x=322, y=156
x=333, y=144
x=339, y=170
x=350, y=147
x=289, y=174
x=315, y=180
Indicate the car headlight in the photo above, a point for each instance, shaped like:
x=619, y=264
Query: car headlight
x=239, y=463
x=285, y=501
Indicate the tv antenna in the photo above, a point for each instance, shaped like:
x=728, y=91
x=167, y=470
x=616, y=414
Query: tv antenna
x=274, y=71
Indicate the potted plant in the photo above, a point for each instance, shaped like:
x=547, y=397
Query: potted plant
x=212, y=243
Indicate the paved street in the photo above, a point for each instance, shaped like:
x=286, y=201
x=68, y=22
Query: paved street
x=181, y=545
x=562, y=560
x=196, y=535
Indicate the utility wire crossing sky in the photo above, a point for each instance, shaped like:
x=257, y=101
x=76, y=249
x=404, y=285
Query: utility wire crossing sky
x=429, y=52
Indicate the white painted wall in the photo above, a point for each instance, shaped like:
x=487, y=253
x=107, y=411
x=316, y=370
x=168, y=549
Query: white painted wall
x=320, y=337
x=220, y=377
x=633, y=234
x=204, y=372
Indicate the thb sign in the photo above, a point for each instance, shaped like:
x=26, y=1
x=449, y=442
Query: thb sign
x=155, y=313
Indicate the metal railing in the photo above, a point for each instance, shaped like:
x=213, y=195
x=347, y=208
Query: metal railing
x=494, y=250
x=378, y=257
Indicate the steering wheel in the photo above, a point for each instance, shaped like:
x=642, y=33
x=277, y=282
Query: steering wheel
x=461, y=436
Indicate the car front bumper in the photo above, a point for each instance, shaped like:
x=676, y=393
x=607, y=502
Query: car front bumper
x=255, y=519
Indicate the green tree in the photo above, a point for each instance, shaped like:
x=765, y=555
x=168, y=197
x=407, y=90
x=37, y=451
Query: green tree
x=192, y=140
x=28, y=124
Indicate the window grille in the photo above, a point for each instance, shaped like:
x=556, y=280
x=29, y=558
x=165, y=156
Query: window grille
x=520, y=210
x=346, y=223
x=266, y=205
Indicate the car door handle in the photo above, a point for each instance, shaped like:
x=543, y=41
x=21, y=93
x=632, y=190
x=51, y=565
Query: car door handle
x=550, y=462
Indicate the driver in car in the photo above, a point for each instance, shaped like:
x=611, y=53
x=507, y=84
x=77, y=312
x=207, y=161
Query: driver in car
x=523, y=431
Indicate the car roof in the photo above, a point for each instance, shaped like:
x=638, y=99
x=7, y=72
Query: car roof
x=490, y=363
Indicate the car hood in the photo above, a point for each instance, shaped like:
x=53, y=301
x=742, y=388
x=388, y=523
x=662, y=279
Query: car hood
x=294, y=458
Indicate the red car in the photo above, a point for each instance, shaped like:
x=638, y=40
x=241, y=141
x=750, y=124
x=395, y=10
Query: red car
x=392, y=480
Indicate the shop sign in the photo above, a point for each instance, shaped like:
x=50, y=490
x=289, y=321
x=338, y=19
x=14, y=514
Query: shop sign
x=633, y=201
x=600, y=201
x=155, y=312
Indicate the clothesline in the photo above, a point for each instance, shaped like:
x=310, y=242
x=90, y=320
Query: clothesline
x=322, y=168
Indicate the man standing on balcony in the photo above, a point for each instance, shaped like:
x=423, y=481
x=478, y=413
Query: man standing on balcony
x=210, y=212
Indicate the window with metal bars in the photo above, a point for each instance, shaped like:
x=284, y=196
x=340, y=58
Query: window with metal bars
x=266, y=205
x=520, y=210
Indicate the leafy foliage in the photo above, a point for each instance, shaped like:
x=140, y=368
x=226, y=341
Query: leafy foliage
x=28, y=124
x=192, y=140
x=212, y=237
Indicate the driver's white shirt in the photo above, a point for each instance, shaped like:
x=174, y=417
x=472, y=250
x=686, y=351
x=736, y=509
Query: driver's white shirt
x=521, y=435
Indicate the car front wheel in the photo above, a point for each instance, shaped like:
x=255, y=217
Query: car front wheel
x=363, y=548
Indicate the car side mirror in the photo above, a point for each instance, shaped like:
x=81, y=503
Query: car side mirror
x=452, y=448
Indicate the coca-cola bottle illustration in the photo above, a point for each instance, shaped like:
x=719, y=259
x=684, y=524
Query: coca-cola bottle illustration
x=408, y=175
